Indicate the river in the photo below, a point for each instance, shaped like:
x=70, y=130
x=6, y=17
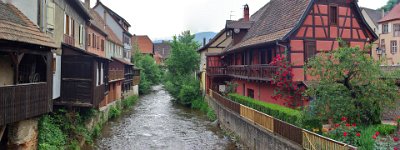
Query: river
x=156, y=122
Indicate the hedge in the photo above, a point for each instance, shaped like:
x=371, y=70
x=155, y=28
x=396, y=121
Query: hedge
x=280, y=112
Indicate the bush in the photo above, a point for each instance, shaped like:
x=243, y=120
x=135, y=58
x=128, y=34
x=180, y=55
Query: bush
x=385, y=129
x=114, y=112
x=51, y=137
x=129, y=102
x=280, y=112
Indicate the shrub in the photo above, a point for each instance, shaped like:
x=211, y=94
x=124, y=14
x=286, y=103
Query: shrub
x=280, y=112
x=114, y=112
x=211, y=114
x=385, y=129
x=129, y=102
x=51, y=137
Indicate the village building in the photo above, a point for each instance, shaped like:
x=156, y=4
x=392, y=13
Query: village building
x=164, y=49
x=143, y=44
x=26, y=76
x=389, y=38
x=296, y=30
x=372, y=18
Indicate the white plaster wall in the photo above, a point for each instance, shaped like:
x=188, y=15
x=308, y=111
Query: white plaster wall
x=6, y=71
x=136, y=90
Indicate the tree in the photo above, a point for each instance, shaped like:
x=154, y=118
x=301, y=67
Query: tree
x=150, y=72
x=184, y=58
x=181, y=66
x=389, y=5
x=350, y=84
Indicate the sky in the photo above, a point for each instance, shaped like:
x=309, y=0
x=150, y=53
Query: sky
x=161, y=19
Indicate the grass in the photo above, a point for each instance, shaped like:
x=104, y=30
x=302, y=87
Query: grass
x=201, y=105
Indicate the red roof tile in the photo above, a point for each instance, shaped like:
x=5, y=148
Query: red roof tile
x=394, y=14
x=144, y=43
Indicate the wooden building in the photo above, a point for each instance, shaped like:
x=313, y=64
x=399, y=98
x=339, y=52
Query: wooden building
x=301, y=28
x=25, y=68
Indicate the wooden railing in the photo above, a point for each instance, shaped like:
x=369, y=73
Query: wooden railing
x=308, y=140
x=20, y=102
x=116, y=75
x=69, y=40
x=256, y=72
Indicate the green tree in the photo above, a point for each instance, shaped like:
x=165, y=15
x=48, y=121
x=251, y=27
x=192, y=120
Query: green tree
x=150, y=72
x=181, y=66
x=389, y=5
x=350, y=84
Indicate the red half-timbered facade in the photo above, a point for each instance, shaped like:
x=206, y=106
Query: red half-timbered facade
x=294, y=29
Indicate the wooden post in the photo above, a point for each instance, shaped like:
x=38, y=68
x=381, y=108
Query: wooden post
x=2, y=129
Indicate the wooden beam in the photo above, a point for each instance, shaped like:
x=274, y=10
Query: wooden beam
x=2, y=130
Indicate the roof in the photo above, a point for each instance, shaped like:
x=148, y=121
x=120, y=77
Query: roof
x=14, y=26
x=112, y=13
x=144, y=43
x=375, y=15
x=394, y=14
x=163, y=48
x=219, y=34
x=97, y=21
x=272, y=24
x=77, y=4
x=122, y=61
x=113, y=37
x=231, y=24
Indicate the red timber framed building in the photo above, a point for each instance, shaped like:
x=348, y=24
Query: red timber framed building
x=295, y=29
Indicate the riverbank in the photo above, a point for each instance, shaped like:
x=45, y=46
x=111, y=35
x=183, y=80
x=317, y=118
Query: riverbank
x=74, y=128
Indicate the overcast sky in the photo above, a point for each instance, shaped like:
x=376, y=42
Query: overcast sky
x=162, y=19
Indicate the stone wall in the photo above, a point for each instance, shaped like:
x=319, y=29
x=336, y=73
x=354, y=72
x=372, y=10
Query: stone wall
x=249, y=134
x=23, y=135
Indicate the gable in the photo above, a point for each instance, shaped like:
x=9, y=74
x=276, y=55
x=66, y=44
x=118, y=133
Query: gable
x=350, y=24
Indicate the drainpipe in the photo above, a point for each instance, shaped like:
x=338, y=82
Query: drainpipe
x=284, y=46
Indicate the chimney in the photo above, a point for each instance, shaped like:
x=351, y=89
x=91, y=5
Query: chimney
x=204, y=41
x=87, y=4
x=246, y=13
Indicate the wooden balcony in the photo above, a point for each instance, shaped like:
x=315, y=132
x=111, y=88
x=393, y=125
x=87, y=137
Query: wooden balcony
x=248, y=72
x=69, y=40
x=116, y=75
x=20, y=102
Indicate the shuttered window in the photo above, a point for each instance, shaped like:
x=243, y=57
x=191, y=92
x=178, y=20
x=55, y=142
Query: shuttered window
x=385, y=28
x=66, y=24
x=396, y=30
x=89, y=39
x=50, y=15
x=81, y=34
x=393, y=47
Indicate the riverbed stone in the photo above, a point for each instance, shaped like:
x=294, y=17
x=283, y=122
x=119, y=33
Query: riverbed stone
x=23, y=135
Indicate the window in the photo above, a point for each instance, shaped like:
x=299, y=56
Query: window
x=250, y=93
x=81, y=34
x=385, y=28
x=102, y=45
x=310, y=50
x=94, y=40
x=54, y=65
x=50, y=15
x=393, y=47
x=98, y=40
x=333, y=15
x=66, y=24
x=89, y=39
x=396, y=30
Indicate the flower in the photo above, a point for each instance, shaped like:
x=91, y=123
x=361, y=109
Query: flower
x=358, y=134
x=344, y=134
x=344, y=119
x=347, y=125
x=337, y=125
x=395, y=148
x=377, y=133
x=354, y=124
x=374, y=137
x=395, y=139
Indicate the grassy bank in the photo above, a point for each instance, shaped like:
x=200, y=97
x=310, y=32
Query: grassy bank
x=203, y=106
x=64, y=129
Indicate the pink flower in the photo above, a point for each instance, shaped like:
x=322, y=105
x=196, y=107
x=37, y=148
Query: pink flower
x=358, y=134
x=354, y=124
x=337, y=125
x=395, y=148
x=374, y=137
x=344, y=119
x=347, y=125
x=395, y=139
x=344, y=134
x=377, y=133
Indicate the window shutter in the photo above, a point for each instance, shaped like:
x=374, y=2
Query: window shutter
x=80, y=34
x=50, y=15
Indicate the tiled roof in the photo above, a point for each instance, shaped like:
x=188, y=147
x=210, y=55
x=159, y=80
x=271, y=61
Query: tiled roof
x=14, y=26
x=394, y=14
x=375, y=15
x=231, y=24
x=163, y=48
x=112, y=13
x=144, y=43
x=112, y=37
x=272, y=24
x=97, y=21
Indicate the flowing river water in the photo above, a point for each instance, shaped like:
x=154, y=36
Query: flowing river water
x=157, y=123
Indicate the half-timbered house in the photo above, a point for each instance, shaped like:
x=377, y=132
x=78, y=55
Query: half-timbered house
x=294, y=29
